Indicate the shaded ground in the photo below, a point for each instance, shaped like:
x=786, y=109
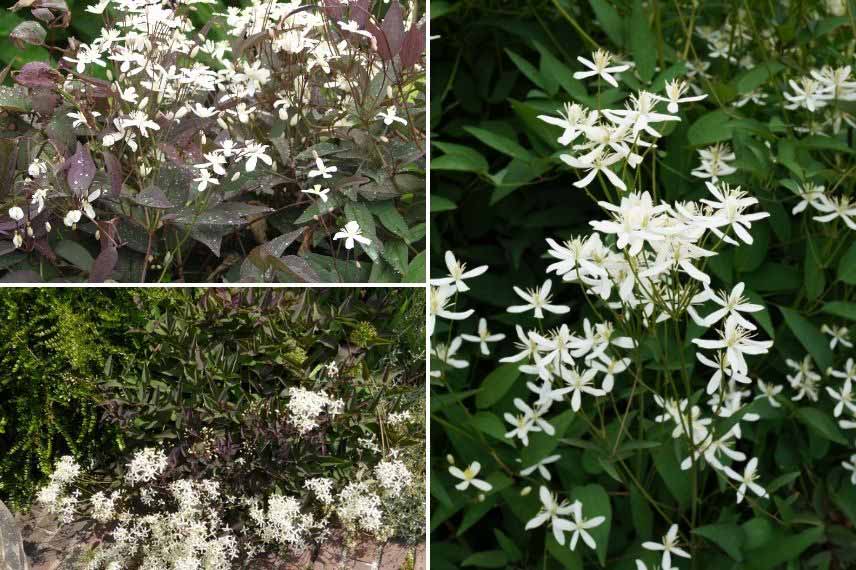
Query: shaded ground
x=52, y=548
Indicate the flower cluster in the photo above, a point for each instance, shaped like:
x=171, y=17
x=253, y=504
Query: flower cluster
x=306, y=407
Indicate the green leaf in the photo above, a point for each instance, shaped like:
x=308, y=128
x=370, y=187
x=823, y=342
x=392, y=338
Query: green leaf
x=570, y=559
x=500, y=143
x=729, y=537
x=441, y=204
x=526, y=68
x=595, y=504
x=643, y=42
x=669, y=469
x=815, y=279
x=814, y=342
x=496, y=385
x=459, y=157
x=416, y=269
x=757, y=76
x=640, y=510
x=782, y=549
x=75, y=254
x=710, y=128
x=841, y=309
x=823, y=424
x=609, y=20
x=847, y=266
x=486, y=559
x=511, y=550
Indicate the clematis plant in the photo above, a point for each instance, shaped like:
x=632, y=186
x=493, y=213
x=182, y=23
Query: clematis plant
x=191, y=141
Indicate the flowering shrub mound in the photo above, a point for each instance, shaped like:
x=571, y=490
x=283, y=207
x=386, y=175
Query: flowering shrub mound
x=189, y=141
x=236, y=426
x=653, y=369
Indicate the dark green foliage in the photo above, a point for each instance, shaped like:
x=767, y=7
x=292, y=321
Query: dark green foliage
x=498, y=190
x=52, y=347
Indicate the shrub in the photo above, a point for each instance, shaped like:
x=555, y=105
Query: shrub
x=191, y=141
x=52, y=351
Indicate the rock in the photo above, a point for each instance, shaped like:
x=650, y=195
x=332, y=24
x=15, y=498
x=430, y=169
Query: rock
x=12, y=555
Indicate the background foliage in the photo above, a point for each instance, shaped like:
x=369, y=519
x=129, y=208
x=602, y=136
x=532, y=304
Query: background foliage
x=498, y=191
x=99, y=374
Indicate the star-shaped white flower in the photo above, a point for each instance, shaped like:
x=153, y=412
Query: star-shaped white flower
x=468, y=477
x=483, y=337
x=352, y=233
x=599, y=65
x=670, y=545
x=537, y=300
x=391, y=117
x=747, y=480
x=458, y=273
x=321, y=169
x=318, y=191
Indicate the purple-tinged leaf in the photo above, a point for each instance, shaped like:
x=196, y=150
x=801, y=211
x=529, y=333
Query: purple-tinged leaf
x=38, y=74
x=114, y=170
x=28, y=32
x=81, y=170
x=103, y=266
x=22, y=276
x=361, y=10
x=413, y=46
x=44, y=101
x=334, y=9
x=390, y=40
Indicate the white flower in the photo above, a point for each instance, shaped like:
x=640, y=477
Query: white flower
x=552, y=512
x=769, y=391
x=17, y=240
x=839, y=336
x=674, y=91
x=458, y=273
x=80, y=118
x=579, y=526
x=594, y=163
x=438, y=299
x=747, y=480
x=445, y=353
x=205, y=179
x=810, y=194
x=318, y=191
x=736, y=341
x=72, y=217
x=570, y=119
x=579, y=384
x=468, y=477
x=729, y=207
x=483, y=337
x=541, y=466
x=390, y=116
x=844, y=397
x=16, y=213
x=715, y=162
x=599, y=65
x=321, y=170
x=537, y=300
x=146, y=465
x=732, y=305
x=668, y=546
x=851, y=467
x=351, y=233
x=836, y=207
x=252, y=153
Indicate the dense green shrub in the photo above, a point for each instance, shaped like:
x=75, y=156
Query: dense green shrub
x=53, y=344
